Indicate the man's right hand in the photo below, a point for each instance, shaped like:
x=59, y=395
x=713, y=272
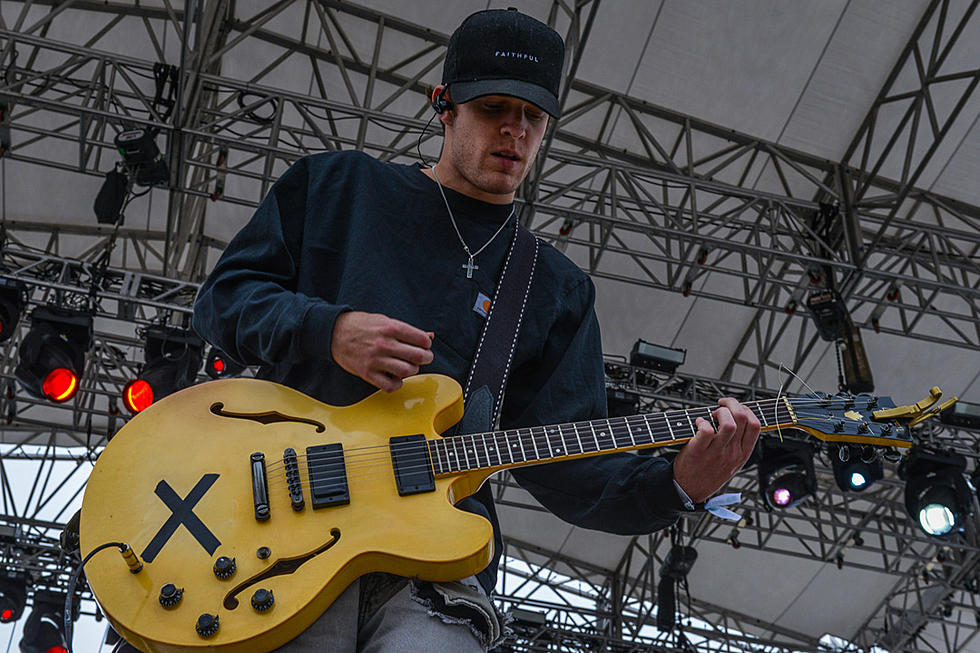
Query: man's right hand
x=379, y=349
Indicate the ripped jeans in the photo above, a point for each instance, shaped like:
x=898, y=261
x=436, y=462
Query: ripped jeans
x=382, y=613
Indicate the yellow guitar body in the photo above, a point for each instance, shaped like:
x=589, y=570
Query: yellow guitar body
x=183, y=465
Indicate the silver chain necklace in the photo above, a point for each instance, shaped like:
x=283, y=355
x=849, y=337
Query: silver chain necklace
x=469, y=265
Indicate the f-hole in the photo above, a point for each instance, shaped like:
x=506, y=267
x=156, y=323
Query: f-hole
x=267, y=417
x=280, y=568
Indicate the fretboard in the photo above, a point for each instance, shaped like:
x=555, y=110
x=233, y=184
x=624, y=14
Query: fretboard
x=533, y=445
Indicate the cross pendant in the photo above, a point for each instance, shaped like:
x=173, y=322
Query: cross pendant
x=469, y=267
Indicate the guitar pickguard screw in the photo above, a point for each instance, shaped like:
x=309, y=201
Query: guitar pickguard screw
x=263, y=552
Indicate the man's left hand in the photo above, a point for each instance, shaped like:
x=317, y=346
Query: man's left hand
x=713, y=456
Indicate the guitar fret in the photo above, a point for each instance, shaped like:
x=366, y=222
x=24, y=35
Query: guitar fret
x=466, y=454
x=653, y=435
x=514, y=446
x=630, y=431
x=504, y=449
x=537, y=456
x=690, y=423
x=620, y=441
x=434, y=456
x=598, y=447
x=483, y=436
x=760, y=413
x=569, y=444
x=452, y=456
x=547, y=441
x=562, y=448
x=581, y=448
x=480, y=462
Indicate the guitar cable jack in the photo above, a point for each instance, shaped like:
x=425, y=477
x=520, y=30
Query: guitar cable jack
x=132, y=560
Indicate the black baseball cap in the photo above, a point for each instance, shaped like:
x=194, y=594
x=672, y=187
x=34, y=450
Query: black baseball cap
x=505, y=52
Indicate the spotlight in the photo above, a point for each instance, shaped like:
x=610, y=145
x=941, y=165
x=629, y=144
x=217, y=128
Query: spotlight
x=42, y=630
x=786, y=475
x=109, y=202
x=937, y=496
x=856, y=468
x=220, y=366
x=52, y=355
x=141, y=154
x=655, y=357
x=829, y=314
x=13, y=596
x=172, y=357
x=12, y=294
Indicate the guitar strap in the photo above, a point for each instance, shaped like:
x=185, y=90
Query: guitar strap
x=495, y=351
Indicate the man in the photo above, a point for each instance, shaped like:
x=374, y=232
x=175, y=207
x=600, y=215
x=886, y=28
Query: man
x=355, y=274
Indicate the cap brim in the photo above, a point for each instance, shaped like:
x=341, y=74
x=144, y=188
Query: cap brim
x=465, y=91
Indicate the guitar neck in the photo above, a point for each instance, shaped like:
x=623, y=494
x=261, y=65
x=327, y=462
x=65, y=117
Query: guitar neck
x=540, y=444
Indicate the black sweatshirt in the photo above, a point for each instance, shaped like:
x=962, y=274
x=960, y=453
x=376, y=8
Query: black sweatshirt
x=341, y=231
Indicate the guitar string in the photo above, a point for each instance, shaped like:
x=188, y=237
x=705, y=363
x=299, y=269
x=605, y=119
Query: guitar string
x=641, y=422
x=538, y=449
x=687, y=413
x=486, y=460
x=460, y=454
x=620, y=428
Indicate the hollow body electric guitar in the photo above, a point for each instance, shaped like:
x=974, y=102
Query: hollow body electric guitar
x=251, y=506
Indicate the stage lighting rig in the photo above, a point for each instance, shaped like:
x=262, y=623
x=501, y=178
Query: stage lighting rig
x=172, y=358
x=111, y=198
x=13, y=294
x=220, y=366
x=52, y=355
x=142, y=156
x=656, y=357
x=937, y=496
x=13, y=597
x=786, y=475
x=43, y=628
x=829, y=314
x=856, y=468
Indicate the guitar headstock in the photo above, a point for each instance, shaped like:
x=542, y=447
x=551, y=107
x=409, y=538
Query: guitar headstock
x=863, y=419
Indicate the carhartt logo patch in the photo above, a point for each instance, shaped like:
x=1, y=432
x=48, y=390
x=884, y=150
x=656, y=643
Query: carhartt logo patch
x=482, y=305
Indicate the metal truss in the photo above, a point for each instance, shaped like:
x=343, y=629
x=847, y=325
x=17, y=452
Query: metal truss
x=631, y=191
x=905, y=119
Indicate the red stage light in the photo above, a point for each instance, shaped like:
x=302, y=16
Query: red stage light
x=6, y=616
x=60, y=384
x=218, y=365
x=57, y=649
x=137, y=395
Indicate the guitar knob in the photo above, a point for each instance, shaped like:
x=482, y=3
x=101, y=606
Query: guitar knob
x=864, y=428
x=886, y=428
x=224, y=567
x=262, y=600
x=207, y=625
x=170, y=595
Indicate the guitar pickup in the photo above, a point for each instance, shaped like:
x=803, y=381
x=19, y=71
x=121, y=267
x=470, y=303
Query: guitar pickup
x=413, y=468
x=328, y=476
